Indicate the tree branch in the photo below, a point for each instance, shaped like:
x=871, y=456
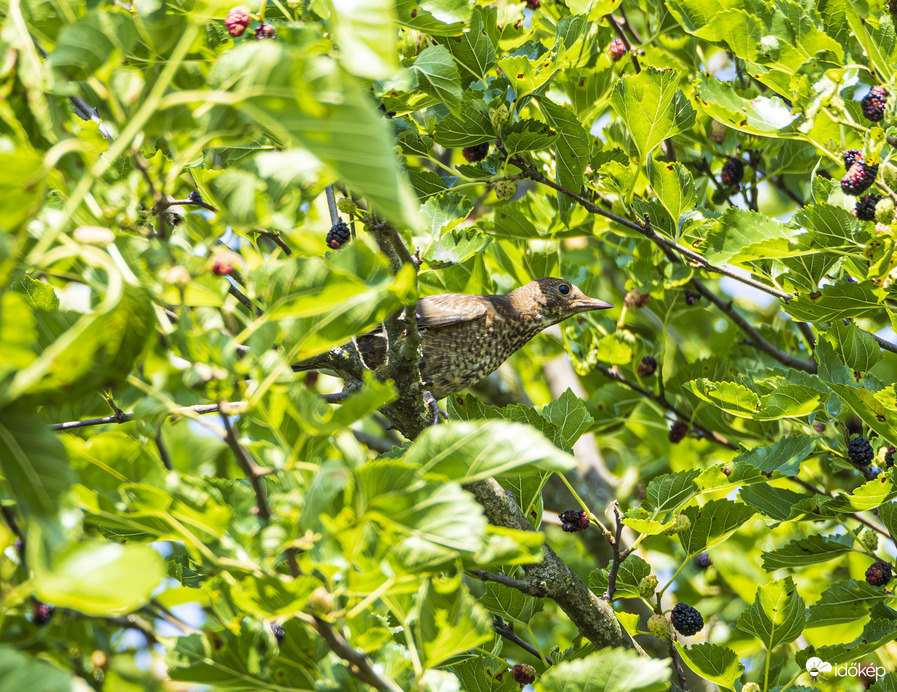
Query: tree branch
x=694, y=257
x=200, y=409
x=615, y=375
x=506, y=631
x=615, y=564
x=250, y=468
x=552, y=577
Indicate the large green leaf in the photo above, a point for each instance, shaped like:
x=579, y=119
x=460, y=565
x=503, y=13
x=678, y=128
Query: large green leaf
x=652, y=107
x=34, y=463
x=474, y=451
x=99, y=578
x=367, y=37
x=714, y=663
x=776, y=615
x=309, y=102
x=609, y=670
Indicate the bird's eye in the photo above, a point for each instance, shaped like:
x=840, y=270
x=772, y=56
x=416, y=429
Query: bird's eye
x=564, y=289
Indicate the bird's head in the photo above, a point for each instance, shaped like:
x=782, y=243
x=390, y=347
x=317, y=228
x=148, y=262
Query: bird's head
x=554, y=300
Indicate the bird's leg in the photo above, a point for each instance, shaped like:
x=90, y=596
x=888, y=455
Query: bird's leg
x=433, y=405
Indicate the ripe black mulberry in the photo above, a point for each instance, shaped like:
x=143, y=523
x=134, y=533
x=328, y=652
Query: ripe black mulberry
x=686, y=619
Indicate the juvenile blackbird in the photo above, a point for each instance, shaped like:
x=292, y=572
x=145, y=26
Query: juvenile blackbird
x=464, y=338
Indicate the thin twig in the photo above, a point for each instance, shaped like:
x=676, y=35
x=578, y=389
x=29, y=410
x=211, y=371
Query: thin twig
x=360, y=665
x=506, y=631
x=756, y=338
x=275, y=237
x=677, y=664
x=331, y=206
x=694, y=257
x=625, y=39
x=617, y=560
x=709, y=434
x=200, y=410
x=252, y=471
x=163, y=453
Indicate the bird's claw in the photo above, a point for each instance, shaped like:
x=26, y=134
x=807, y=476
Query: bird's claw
x=433, y=405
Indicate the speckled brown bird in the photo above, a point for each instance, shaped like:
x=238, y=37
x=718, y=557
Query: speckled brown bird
x=464, y=338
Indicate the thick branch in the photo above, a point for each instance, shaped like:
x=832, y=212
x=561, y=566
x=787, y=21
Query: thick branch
x=552, y=577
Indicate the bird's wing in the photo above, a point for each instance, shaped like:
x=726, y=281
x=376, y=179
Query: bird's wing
x=449, y=308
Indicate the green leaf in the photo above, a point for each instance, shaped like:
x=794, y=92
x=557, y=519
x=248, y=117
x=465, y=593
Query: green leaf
x=740, y=236
x=674, y=186
x=867, y=496
x=17, y=335
x=482, y=674
x=83, y=47
x=454, y=247
x=730, y=397
x=571, y=148
x=365, y=34
x=439, y=76
x=776, y=615
x=632, y=570
x=510, y=604
x=34, y=463
x=876, y=633
x=807, y=551
x=99, y=579
x=527, y=135
x=858, y=348
x=760, y=115
x=473, y=51
x=466, y=128
x=22, y=186
x=451, y=621
x=652, y=107
x=845, y=601
x=330, y=115
x=835, y=301
x=714, y=663
x=569, y=414
x=18, y=671
x=777, y=503
x=876, y=409
x=784, y=455
x=473, y=451
x=40, y=295
x=267, y=596
x=445, y=211
x=671, y=490
x=712, y=524
x=609, y=670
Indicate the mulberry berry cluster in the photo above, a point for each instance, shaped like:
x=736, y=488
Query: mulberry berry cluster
x=879, y=573
x=733, y=172
x=686, y=619
x=874, y=103
x=524, y=674
x=616, y=49
x=865, y=207
x=859, y=178
x=647, y=366
x=338, y=235
x=476, y=153
x=574, y=520
x=860, y=451
x=678, y=431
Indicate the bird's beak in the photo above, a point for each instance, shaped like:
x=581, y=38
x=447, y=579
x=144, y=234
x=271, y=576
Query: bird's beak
x=585, y=304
